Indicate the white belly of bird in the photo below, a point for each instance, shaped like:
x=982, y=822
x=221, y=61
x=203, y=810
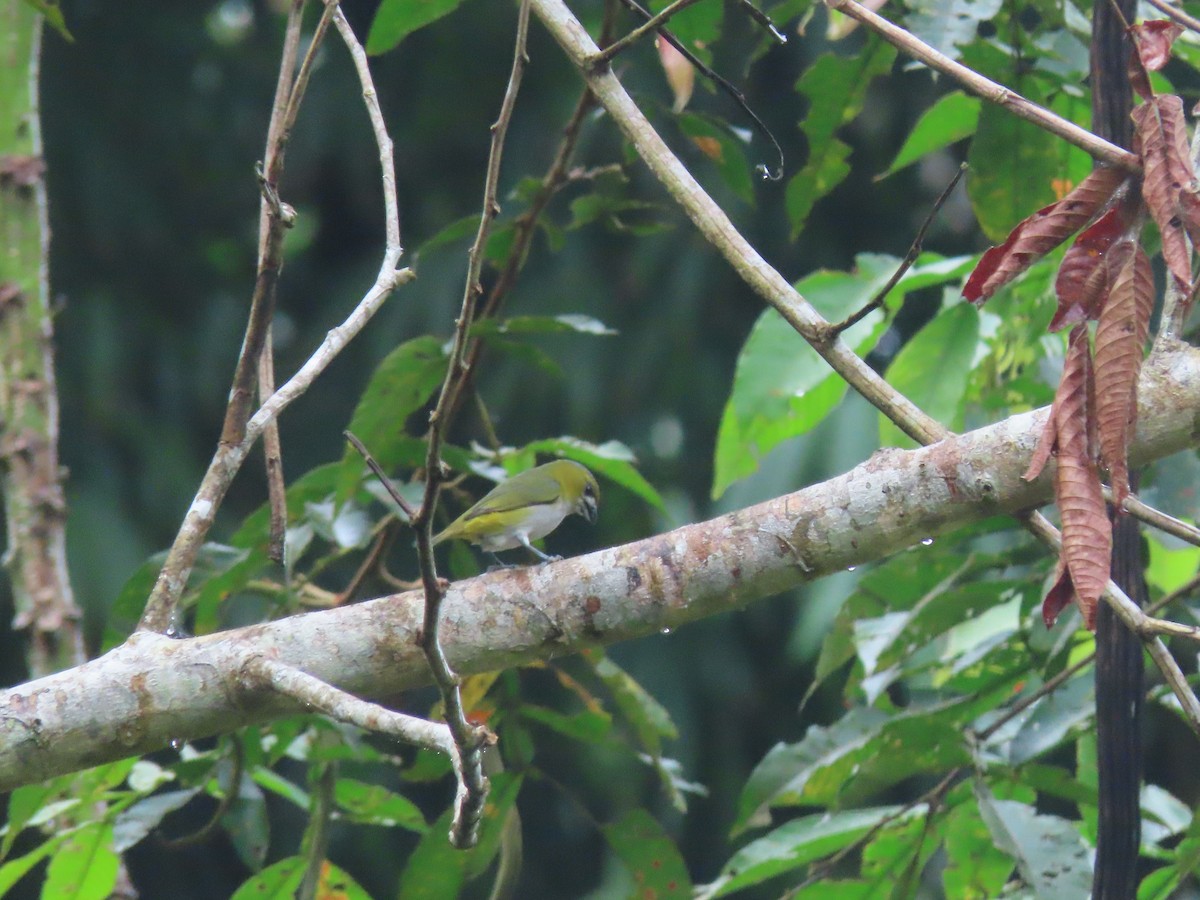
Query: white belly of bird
x=539, y=522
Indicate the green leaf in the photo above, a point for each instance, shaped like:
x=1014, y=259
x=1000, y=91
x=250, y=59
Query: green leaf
x=836, y=87
x=373, y=804
x=277, y=881
x=947, y=25
x=16, y=869
x=646, y=716
x=54, y=17
x=1055, y=717
x=84, y=865
x=134, y=823
x=1016, y=167
x=401, y=384
x=798, y=843
x=792, y=764
x=23, y=804
x=397, y=19
x=931, y=370
x=337, y=884
x=650, y=854
x=458, y=230
x=1050, y=855
x=589, y=726
x=612, y=459
x=953, y=117
x=435, y=870
x=781, y=387
x=974, y=866
x=247, y=824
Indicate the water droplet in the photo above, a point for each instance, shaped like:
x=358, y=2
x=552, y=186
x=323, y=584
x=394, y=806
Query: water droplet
x=851, y=568
x=927, y=541
x=176, y=744
x=665, y=631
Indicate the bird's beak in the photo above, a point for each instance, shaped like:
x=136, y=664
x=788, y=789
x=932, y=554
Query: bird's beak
x=587, y=509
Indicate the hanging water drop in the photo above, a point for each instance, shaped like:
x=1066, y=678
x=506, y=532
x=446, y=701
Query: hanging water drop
x=927, y=541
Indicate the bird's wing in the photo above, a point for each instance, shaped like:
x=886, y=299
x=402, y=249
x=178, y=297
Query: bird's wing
x=532, y=487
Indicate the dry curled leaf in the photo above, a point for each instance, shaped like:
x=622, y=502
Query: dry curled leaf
x=1162, y=142
x=1041, y=232
x=1153, y=41
x=1120, y=344
x=1060, y=595
x=1086, y=530
x=1083, y=277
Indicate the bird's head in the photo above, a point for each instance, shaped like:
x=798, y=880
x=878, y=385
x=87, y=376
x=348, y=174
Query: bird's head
x=579, y=487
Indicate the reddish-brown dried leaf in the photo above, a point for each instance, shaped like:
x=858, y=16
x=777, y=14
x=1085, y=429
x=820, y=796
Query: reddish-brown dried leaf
x=1040, y=233
x=1189, y=210
x=1167, y=171
x=1086, y=530
x=1060, y=594
x=1046, y=445
x=1120, y=344
x=1153, y=40
x=1082, y=279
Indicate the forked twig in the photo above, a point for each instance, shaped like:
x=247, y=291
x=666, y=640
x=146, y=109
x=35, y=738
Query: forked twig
x=160, y=608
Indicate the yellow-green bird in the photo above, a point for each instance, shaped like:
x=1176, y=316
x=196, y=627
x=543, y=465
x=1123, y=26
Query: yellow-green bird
x=526, y=507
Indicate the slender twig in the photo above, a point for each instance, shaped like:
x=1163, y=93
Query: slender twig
x=374, y=466
x=723, y=83
x=230, y=794
x=469, y=740
x=315, y=844
x=605, y=56
x=712, y=222
x=1172, y=11
x=910, y=257
x=762, y=19
x=372, y=562
x=261, y=673
x=989, y=90
x=228, y=459
x=1156, y=518
x=273, y=458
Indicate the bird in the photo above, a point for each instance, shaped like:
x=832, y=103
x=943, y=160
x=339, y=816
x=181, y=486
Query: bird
x=526, y=507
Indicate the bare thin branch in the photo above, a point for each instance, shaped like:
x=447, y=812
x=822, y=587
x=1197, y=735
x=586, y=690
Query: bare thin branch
x=262, y=672
x=989, y=90
x=1156, y=518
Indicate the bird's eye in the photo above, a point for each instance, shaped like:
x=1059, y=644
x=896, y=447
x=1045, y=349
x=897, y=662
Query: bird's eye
x=588, y=490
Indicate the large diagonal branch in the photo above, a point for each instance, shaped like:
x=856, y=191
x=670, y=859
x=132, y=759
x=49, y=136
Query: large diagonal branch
x=152, y=690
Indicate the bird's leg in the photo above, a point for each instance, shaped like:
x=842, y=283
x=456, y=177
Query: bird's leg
x=497, y=562
x=544, y=557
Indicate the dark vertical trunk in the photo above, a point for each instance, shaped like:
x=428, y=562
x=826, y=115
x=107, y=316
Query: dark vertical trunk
x=1119, y=660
